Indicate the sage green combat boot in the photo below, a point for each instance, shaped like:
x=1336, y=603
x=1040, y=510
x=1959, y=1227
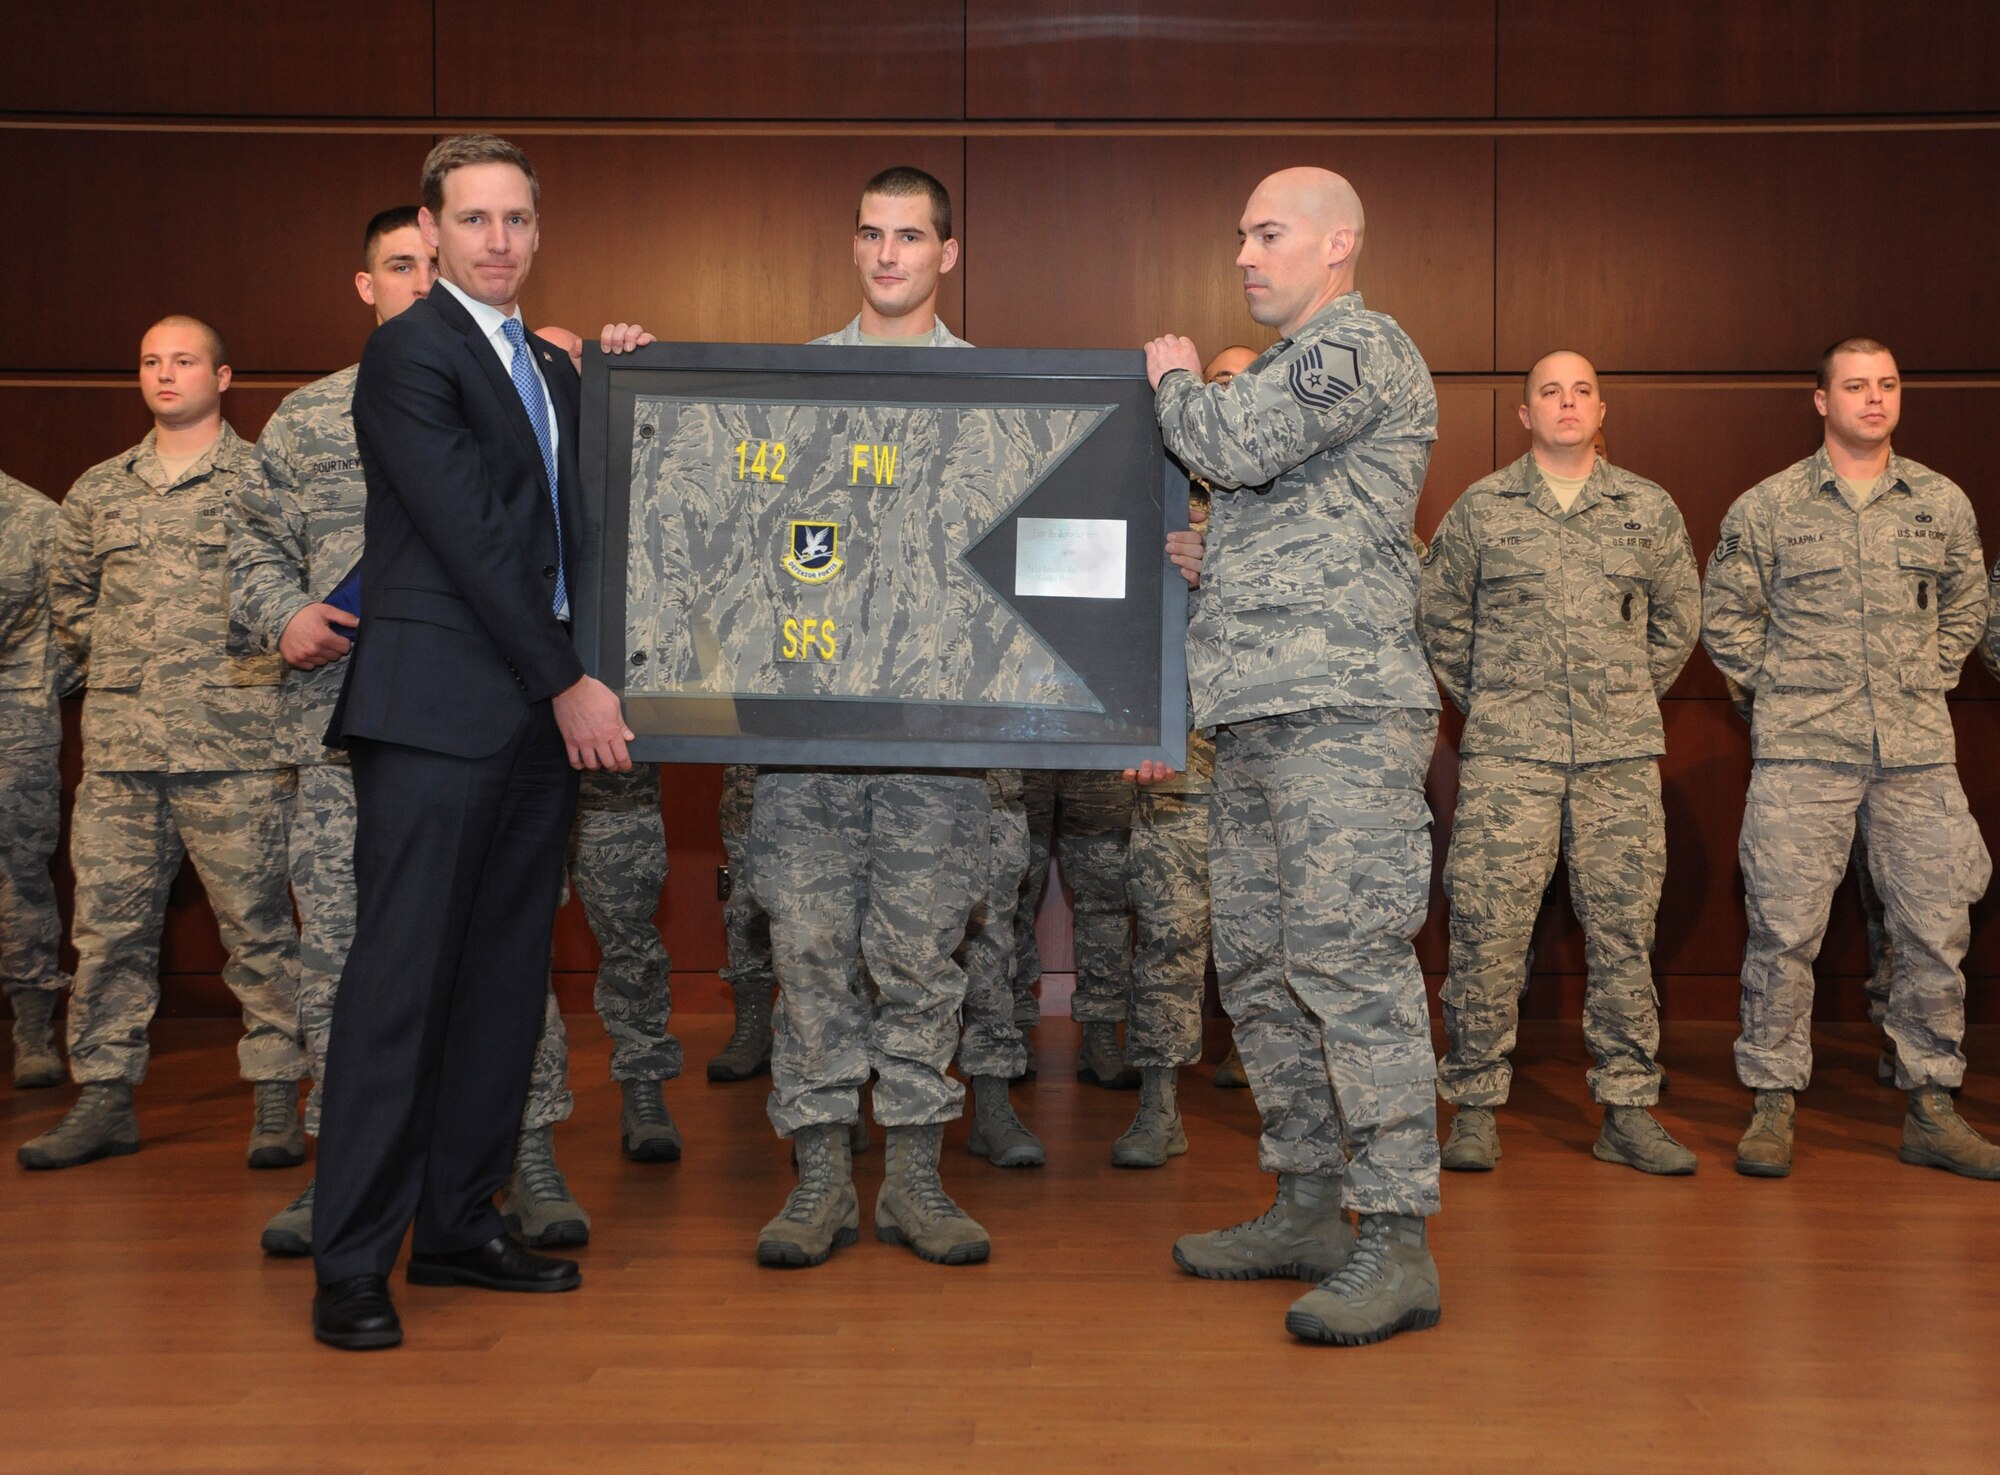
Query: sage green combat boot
x=1230, y=1074
x=1101, y=1063
x=998, y=1133
x=1936, y=1136
x=277, y=1137
x=645, y=1129
x=913, y=1209
x=1155, y=1134
x=101, y=1124
x=1473, y=1145
x=822, y=1214
x=1634, y=1137
x=36, y=1063
x=290, y=1231
x=748, y=1052
x=1302, y=1236
x=1766, y=1148
x=1388, y=1285
x=536, y=1204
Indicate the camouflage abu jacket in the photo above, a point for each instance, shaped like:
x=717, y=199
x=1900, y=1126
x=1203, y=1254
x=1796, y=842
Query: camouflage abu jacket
x=139, y=587
x=33, y=669
x=1316, y=453
x=293, y=537
x=1847, y=627
x=1557, y=634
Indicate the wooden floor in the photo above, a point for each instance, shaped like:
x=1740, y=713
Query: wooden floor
x=1847, y=1319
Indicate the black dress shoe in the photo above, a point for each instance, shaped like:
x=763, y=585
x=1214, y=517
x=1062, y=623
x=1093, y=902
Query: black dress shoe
x=356, y=1314
x=498, y=1265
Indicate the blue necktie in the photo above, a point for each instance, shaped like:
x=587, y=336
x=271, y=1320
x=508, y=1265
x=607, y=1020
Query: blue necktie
x=530, y=389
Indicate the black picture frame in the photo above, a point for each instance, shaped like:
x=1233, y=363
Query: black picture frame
x=1133, y=647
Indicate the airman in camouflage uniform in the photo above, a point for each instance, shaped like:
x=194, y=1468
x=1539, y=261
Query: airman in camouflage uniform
x=1556, y=629
x=179, y=757
x=1303, y=660
x=1844, y=594
x=748, y=930
x=32, y=671
x=855, y=865
x=1085, y=816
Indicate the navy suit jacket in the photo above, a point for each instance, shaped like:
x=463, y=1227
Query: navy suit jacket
x=458, y=631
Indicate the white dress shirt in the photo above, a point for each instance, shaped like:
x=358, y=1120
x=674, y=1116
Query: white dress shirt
x=489, y=320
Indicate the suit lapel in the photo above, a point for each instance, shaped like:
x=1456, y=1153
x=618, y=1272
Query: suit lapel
x=511, y=409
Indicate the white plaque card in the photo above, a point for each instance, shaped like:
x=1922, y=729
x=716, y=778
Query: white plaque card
x=1070, y=557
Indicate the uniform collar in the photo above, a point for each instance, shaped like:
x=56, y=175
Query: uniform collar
x=1344, y=305
x=1894, y=477
x=144, y=461
x=1524, y=479
x=939, y=336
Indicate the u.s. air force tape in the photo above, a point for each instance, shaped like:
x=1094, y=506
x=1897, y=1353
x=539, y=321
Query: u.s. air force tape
x=1324, y=375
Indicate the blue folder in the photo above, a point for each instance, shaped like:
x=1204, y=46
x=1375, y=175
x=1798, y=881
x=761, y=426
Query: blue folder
x=346, y=595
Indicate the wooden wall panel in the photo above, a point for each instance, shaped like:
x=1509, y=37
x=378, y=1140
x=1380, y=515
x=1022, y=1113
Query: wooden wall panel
x=1721, y=58
x=1463, y=454
x=258, y=233
x=1104, y=242
x=1746, y=252
x=743, y=241
x=752, y=59
x=242, y=57
x=1291, y=59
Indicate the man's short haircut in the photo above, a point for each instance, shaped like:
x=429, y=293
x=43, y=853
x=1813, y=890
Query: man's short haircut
x=395, y=218
x=461, y=152
x=905, y=181
x=1528, y=379
x=1847, y=345
x=218, y=350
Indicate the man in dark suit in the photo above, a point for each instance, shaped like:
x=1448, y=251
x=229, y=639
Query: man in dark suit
x=467, y=713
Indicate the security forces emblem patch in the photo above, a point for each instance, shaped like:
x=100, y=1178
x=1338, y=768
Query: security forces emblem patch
x=814, y=556
x=1324, y=375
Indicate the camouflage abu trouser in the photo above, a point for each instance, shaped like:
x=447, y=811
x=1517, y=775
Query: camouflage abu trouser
x=1881, y=956
x=1167, y=883
x=1319, y=868
x=618, y=865
x=1513, y=816
x=131, y=831
x=881, y=868
x=747, y=928
x=322, y=867
x=1929, y=865
x=1090, y=836
x=993, y=1042
x=30, y=825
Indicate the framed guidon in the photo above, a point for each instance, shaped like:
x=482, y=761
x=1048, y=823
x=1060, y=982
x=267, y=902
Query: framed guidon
x=900, y=557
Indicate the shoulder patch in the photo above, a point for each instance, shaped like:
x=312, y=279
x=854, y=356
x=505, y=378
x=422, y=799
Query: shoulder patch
x=1324, y=375
x=1726, y=548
